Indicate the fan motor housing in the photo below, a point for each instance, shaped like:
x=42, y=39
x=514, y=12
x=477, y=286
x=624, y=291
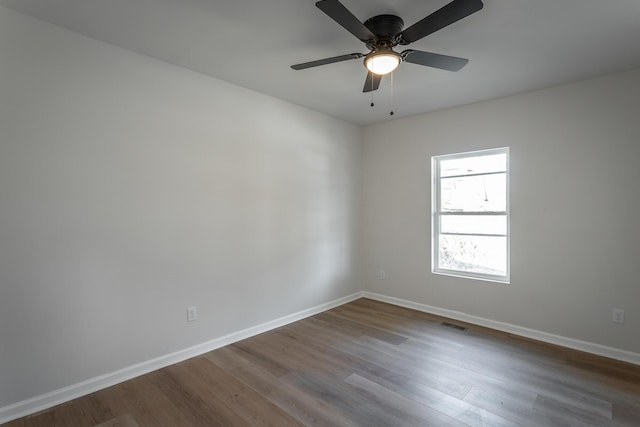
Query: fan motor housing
x=385, y=27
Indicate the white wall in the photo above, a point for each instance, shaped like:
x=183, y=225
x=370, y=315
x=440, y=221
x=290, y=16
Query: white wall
x=131, y=189
x=575, y=198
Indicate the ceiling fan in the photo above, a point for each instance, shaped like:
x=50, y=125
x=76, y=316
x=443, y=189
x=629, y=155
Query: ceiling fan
x=383, y=32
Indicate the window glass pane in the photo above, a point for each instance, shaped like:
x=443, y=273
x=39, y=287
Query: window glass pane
x=474, y=224
x=476, y=254
x=483, y=193
x=474, y=165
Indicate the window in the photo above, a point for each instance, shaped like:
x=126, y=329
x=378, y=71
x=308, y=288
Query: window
x=470, y=214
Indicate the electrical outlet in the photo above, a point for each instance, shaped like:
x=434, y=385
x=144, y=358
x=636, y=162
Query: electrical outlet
x=617, y=315
x=382, y=275
x=192, y=313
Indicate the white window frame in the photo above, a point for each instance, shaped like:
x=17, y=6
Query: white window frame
x=437, y=213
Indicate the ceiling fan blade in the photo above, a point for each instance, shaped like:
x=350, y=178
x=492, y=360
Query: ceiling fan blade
x=435, y=60
x=342, y=16
x=447, y=15
x=327, y=61
x=372, y=82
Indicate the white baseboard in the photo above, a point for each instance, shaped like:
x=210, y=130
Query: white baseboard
x=56, y=397
x=600, y=350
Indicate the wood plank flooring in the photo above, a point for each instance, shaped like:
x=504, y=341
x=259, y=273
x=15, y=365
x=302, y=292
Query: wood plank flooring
x=368, y=363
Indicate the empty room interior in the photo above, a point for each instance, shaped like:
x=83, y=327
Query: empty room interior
x=218, y=212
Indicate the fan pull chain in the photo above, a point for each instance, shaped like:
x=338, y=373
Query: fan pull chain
x=371, y=91
x=392, y=99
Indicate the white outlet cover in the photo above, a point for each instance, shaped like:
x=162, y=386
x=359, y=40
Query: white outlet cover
x=617, y=315
x=192, y=314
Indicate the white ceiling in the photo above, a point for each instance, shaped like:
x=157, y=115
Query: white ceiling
x=512, y=46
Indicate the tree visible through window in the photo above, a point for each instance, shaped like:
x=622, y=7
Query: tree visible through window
x=470, y=218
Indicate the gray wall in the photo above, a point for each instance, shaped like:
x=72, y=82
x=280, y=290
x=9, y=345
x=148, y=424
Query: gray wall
x=131, y=189
x=575, y=198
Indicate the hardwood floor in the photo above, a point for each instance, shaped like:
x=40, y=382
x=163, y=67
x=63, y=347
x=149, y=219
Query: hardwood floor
x=368, y=363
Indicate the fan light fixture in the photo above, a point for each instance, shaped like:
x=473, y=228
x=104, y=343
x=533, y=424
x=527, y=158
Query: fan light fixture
x=382, y=62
